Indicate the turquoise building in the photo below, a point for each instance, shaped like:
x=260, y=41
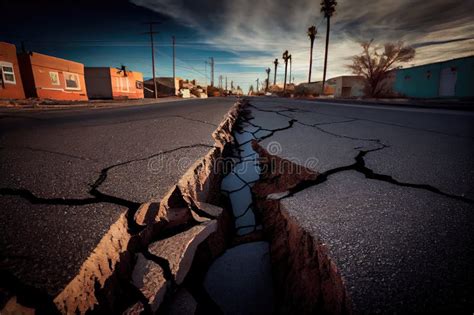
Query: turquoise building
x=452, y=78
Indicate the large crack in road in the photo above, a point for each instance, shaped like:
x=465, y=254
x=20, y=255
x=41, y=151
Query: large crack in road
x=358, y=165
x=97, y=195
x=170, y=249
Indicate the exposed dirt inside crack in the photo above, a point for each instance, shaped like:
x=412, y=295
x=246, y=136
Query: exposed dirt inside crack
x=305, y=279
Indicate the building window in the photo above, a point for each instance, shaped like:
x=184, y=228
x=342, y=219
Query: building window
x=139, y=85
x=54, y=76
x=124, y=85
x=72, y=81
x=8, y=75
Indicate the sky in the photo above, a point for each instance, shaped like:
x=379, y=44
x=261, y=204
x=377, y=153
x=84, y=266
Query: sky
x=243, y=37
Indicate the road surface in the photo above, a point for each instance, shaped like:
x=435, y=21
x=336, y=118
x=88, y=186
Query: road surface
x=395, y=209
x=66, y=177
x=395, y=203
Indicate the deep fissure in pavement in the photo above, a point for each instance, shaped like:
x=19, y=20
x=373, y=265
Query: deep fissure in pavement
x=305, y=279
x=259, y=242
x=240, y=280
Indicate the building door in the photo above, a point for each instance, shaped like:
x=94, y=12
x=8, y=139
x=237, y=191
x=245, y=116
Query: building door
x=346, y=91
x=447, y=82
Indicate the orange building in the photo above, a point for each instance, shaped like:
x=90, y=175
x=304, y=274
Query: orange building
x=49, y=77
x=113, y=83
x=10, y=79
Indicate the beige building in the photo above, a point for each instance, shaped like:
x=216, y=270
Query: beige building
x=347, y=86
x=314, y=88
x=164, y=85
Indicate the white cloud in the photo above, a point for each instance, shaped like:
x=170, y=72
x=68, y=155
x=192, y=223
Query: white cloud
x=268, y=27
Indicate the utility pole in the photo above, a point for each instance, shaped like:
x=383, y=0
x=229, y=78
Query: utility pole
x=174, y=63
x=268, y=78
x=226, y=83
x=151, y=33
x=205, y=72
x=285, y=58
x=232, y=85
x=212, y=71
x=275, y=77
x=326, y=53
x=257, y=84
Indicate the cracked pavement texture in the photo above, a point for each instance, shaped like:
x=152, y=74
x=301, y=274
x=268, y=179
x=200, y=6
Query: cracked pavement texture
x=399, y=249
x=67, y=175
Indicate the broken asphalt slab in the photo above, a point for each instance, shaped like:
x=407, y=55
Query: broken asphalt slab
x=69, y=186
x=387, y=224
x=399, y=250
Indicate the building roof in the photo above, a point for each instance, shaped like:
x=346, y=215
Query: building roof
x=437, y=62
x=54, y=62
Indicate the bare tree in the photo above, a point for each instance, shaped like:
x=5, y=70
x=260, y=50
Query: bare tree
x=312, y=35
x=374, y=64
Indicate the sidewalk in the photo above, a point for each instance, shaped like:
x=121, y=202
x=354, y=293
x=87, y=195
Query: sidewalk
x=34, y=104
x=455, y=104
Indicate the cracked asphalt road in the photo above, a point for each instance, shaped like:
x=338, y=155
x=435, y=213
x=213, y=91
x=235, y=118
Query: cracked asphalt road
x=394, y=205
x=67, y=175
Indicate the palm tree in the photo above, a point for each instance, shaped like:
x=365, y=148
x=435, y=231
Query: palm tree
x=312, y=35
x=268, y=79
x=327, y=7
x=276, y=66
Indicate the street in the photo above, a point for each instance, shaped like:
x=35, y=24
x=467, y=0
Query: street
x=393, y=203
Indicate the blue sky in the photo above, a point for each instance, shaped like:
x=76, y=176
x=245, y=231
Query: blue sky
x=244, y=36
